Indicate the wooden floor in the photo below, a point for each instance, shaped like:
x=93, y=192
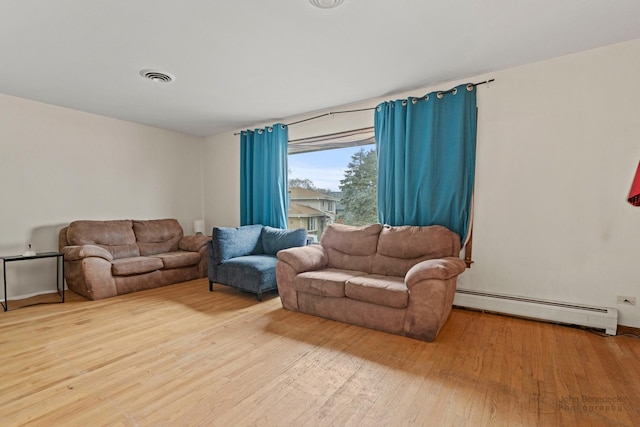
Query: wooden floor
x=180, y=355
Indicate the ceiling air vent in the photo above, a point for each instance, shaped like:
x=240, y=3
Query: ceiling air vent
x=157, y=76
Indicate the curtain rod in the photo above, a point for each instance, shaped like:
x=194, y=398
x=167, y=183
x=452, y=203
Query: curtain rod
x=330, y=113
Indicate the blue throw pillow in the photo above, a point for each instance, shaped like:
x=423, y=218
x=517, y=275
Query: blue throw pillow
x=234, y=242
x=276, y=239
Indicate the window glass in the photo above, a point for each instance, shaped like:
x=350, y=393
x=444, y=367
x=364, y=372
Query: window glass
x=332, y=185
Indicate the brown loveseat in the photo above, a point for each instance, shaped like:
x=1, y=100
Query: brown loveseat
x=107, y=258
x=400, y=280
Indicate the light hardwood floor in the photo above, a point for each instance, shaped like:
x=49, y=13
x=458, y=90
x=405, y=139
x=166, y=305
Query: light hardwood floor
x=180, y=355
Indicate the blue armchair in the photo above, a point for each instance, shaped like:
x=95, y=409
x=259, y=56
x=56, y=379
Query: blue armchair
x=245, y=257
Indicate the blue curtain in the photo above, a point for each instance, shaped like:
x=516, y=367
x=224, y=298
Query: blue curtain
x=263, y=176
x=426, y=159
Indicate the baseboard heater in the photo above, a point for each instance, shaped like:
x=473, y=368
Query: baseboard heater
x=605, y=318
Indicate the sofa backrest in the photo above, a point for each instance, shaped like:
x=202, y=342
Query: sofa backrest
x=230, y=243
x=255, y=239
x=276, y=239
x=402, y=247
x=351, y=247
x=157, y=236
x=116, y=236
x=389, y=251
x=125, y=238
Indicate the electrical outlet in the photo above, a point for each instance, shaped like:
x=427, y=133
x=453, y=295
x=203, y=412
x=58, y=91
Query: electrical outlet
x=626, y=300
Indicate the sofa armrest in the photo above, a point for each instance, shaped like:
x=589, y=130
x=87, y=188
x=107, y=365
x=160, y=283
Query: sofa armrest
x=432, y=287
x=76, y=253
x=441, y=268
x=304, y=258
x=292, y=262
x=193, y=243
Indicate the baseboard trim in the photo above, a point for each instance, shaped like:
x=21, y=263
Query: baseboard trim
x=628, y=330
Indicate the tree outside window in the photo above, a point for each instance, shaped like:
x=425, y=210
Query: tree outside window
x=352, y=201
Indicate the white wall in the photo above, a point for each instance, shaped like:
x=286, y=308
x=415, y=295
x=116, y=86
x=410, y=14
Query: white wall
x=558, y=144
x=58, y=165
x=222, y=181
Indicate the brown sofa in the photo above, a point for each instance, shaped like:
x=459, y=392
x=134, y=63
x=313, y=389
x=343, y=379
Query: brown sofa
x=400, y=280
x=107, y=258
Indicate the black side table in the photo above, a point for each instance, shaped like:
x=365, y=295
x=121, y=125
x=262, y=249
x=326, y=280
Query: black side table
x=59, y=269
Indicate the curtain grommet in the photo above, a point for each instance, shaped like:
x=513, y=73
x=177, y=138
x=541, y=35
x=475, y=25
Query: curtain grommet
x=404, y=103
x=454, y=90
x=269, y=129
x=414, y=101
x=259, y=131
x=440, y=95
x=470, y=87
x=426, y=97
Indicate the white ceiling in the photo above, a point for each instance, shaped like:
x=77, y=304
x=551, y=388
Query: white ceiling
x=242, y=62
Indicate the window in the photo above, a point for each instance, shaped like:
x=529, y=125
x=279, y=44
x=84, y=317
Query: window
x=332, y=178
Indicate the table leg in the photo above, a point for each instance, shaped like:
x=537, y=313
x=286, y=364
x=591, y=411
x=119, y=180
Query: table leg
x=4, y=274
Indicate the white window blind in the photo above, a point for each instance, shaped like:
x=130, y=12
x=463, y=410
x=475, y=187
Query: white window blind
x=351, y=138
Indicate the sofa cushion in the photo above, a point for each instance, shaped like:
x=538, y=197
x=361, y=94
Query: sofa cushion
x=178, y=259
x=402, y=247
x=389, y=291
x=276, y=239
x=351, y=247
x=157, y=236
x=408, y=241
x=326, y=283
x=229, y=243
x=253, y=273
x=350, y=239
x=115, y=236
x=135, y=265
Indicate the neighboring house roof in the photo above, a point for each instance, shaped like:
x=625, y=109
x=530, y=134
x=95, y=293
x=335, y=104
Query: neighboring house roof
x=296, y=210
x=297, y=193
